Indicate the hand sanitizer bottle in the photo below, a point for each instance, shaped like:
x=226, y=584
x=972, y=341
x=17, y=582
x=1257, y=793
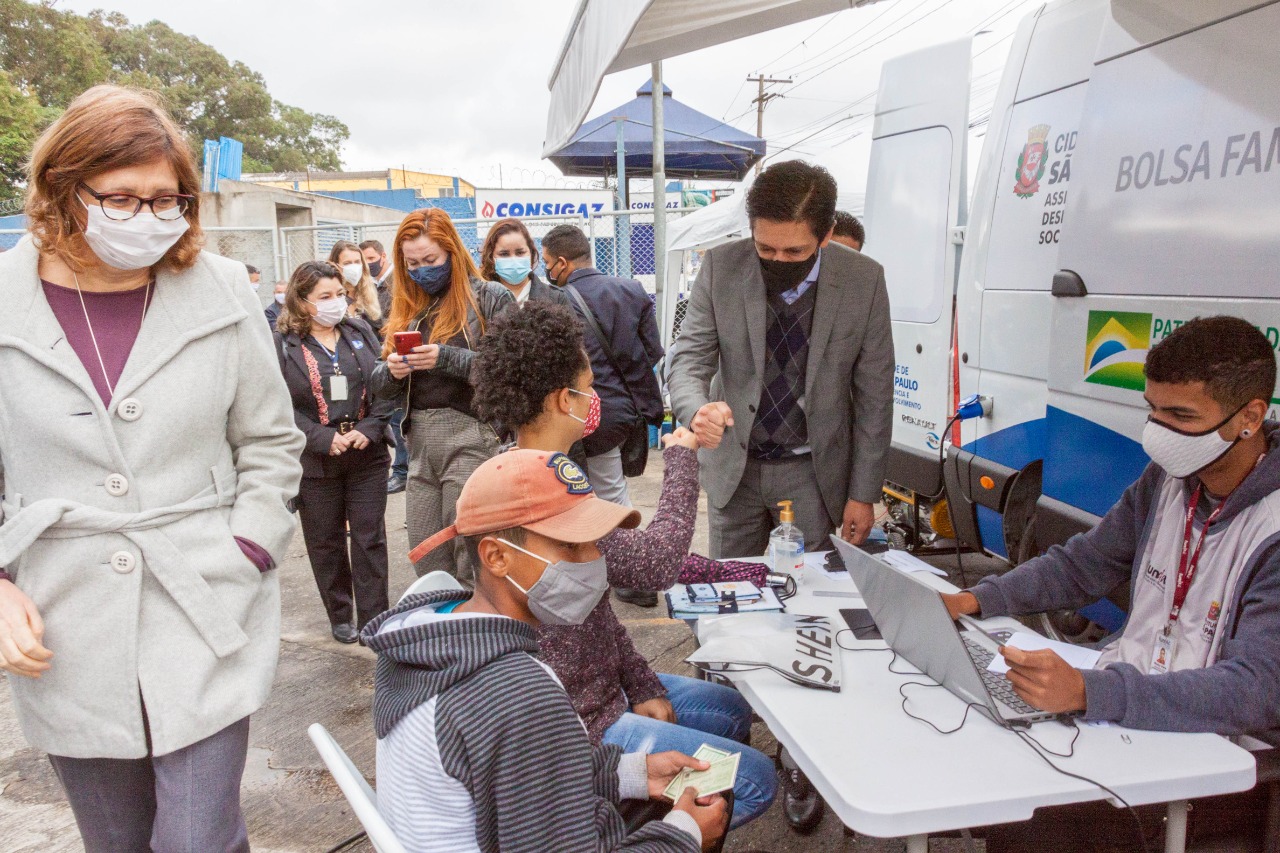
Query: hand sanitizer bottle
x=786, y=544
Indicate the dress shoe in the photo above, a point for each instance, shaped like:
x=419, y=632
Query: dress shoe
x=345, y=633
x=638, y=597
x=395, y=485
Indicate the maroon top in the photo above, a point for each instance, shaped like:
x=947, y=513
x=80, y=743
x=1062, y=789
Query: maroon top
x=117, y=319
x=597, y=662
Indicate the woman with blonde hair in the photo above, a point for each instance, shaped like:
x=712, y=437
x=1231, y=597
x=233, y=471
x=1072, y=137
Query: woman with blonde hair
x=147, y=451
x=438, y=294
x=361, y=289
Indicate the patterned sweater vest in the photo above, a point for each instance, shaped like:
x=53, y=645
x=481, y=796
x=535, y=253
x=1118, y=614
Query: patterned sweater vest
x=781, y=426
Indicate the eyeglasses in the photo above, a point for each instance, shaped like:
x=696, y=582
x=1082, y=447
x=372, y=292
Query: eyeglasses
x=121, y=206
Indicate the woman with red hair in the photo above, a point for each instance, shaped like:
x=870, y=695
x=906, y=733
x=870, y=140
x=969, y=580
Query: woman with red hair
x=438, y=292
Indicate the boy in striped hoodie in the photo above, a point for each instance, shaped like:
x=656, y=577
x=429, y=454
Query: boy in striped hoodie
x=479, y=748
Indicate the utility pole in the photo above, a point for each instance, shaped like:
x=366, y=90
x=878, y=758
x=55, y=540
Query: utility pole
x=760, y=100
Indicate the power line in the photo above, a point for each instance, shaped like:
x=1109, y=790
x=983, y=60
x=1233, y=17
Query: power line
x=800, y=43
x=791, y=68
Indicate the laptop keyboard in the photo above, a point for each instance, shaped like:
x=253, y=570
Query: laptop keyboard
x=1001, y=688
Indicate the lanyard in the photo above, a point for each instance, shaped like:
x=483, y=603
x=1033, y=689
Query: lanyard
x=1189, y=561
x=333, y=356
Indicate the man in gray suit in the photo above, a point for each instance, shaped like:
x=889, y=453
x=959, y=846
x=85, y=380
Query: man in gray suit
x=784, y=371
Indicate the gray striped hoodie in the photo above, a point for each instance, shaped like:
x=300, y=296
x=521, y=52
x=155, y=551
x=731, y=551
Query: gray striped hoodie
x=479, y=748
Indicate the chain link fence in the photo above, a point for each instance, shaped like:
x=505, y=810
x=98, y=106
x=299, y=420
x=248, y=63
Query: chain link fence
x=622, y=244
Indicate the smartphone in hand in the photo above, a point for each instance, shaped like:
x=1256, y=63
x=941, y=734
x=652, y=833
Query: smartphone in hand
x=406, y=341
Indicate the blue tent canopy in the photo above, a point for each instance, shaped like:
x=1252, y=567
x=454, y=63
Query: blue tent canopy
x=697, y=145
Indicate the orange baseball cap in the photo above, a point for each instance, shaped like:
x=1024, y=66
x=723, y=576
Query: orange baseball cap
x=537, y=490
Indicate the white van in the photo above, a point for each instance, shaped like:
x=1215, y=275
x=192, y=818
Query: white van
x=1129, y=181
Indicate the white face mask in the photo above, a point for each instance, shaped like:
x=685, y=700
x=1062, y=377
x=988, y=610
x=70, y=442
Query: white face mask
x=352, y=273
x=131, y=244
x=329, y=312
x=1182, y=454
x=279, y=298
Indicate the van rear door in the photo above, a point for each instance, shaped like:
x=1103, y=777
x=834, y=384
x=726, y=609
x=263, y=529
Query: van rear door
x=916, y=201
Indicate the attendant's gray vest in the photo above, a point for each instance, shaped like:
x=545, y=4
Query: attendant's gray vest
x=1226, y=553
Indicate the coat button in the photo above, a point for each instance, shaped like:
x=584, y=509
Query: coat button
x=123, y=562
x=117, y=486
x=129, y=409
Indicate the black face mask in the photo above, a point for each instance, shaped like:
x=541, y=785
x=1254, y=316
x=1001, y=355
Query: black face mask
x=781, y=276
x=375, y=269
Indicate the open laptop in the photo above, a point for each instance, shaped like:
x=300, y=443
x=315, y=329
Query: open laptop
x=915, y=623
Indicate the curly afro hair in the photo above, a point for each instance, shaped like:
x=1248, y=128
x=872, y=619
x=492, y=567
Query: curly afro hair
x=528, y=353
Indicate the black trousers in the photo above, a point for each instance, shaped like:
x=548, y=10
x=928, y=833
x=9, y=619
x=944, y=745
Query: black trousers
x=354, y=496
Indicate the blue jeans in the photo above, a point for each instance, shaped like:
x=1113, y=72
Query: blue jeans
x=400, y=465
x=706, y=713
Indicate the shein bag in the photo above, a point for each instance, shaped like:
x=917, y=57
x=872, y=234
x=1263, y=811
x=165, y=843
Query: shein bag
x=801, y=649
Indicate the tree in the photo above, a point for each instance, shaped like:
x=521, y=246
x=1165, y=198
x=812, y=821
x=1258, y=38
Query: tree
x=49, y=54
x=21, y=120
x=53, y=56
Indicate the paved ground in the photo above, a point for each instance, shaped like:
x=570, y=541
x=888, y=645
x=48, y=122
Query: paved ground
x=292, y=804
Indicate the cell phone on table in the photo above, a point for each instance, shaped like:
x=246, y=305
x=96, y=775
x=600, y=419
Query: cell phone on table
x=406, y=341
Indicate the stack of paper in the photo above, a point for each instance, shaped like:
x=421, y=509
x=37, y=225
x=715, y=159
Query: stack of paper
x=1077, y=656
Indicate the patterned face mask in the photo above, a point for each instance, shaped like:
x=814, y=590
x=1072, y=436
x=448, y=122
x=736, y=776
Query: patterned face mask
x=592, y=421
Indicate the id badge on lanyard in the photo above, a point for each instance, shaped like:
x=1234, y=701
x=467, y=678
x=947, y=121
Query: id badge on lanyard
x=338, y=390
x=1165, y=648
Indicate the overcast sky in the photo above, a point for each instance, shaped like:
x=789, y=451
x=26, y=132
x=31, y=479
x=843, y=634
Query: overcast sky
x=460, y=87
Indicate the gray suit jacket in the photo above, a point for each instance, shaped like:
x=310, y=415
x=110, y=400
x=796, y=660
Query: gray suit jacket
x=849, y=385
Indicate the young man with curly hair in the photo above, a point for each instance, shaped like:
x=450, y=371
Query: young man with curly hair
x=532, y=373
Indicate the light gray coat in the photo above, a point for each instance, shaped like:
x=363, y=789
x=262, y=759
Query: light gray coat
x=119, y=520
x=720, y=355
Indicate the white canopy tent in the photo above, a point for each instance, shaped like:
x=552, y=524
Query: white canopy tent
x=714, y=224
x=613, y=35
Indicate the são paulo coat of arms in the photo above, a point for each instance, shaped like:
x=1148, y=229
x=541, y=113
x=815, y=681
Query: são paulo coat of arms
x=1032, y=162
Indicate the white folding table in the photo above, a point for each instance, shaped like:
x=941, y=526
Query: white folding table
x=887, y=775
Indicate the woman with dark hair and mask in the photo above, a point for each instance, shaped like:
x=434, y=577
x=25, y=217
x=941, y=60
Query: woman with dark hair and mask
x=438, y=294
x=147, y=452
x=508, y=257
x=328, y=359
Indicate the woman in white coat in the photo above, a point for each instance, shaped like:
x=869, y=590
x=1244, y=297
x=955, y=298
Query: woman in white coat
x=147, y=451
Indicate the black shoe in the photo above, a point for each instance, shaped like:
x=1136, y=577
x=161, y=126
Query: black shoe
x=802, y=805
x=638, y=597
x=395, y=485
x=345, y=633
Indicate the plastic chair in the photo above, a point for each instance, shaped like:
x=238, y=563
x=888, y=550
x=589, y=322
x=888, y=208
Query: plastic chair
x=357, y=791
x=432, y=582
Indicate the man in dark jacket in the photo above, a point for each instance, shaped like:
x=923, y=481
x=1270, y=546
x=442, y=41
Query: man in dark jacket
x=626, y=383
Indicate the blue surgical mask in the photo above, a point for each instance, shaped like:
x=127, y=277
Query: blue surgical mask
x=512, y=270
x=433, y=280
